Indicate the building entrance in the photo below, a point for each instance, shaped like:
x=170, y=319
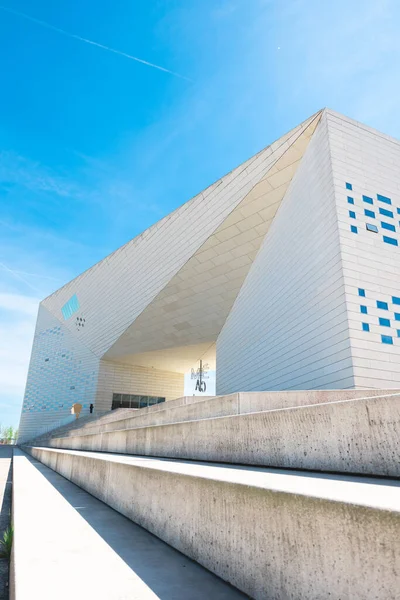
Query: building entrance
x=134, y=401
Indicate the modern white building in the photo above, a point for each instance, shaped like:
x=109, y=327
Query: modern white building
x=282, y=275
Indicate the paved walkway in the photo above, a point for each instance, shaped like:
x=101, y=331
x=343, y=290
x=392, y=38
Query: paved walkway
x=5, y=510
x=69, y=545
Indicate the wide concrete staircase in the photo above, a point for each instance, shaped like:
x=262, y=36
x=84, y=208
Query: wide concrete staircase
x=283, y=495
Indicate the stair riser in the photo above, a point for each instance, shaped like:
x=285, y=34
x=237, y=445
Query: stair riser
x=191, y=408
x=269, y=544
x=359, y=436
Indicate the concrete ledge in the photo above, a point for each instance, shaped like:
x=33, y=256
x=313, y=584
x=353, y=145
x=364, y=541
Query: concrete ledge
x=98, y=421
x=191, y=408
x=272, y=534
x=351, y=436
x=69, y=545
x=196, y=407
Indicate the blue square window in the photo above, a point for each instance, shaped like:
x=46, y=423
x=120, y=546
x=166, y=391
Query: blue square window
x=384, y=322
x=382, y=305
x=369, y=213
x=365, y=327
x=387, y=339
x=368, y=200
x=388, y=226
x=397, y=316
x=396, y=300
x=390, y=240
x=353, y=229
x=398, y=333
x=398, y=211
x=363, y=309
x=371, y=227
x=349, y=186
x=352, y=214
x=350, y=200
x=361, y=292
x=386, y=213
x=384, y=199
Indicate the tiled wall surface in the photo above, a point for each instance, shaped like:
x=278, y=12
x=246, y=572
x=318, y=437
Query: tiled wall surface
x=121, y=378
x=116, y=290
x=82, y=320
x=369, y=163
x=288, y=328
x=192, y=308
x=62, y=371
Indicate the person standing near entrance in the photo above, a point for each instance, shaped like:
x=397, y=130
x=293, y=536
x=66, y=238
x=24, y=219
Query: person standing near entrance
x=91, y=407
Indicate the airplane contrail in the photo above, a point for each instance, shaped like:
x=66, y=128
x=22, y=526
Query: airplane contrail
x=17, y=276
x=91, y=42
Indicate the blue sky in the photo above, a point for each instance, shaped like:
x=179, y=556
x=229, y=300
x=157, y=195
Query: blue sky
x=95, y=146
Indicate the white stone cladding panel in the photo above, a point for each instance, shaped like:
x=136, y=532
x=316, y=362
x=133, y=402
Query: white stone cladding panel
x=193, y=306
x=62, y=371
x=288, y=328
x=115, y=291
x=370, y=162
x=129, y=379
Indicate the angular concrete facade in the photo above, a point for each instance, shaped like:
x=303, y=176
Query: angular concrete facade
x=267, y=270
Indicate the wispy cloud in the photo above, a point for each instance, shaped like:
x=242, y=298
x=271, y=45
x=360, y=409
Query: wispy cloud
x=18, y=276
x=91, y=42
x=26, y=305
x=18, y=170
x=17, y=325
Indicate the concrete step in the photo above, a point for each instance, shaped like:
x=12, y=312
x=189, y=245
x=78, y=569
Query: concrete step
x=63, y=429
x=97, y=420
x=189, y=407
x=68, y=544
x=272, y=534
x=350, y=436
x=195, y=408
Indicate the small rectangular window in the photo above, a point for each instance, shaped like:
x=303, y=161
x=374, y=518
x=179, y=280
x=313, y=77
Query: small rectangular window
x=361, y=292
x=349, y=186
x=363, y=309
x=350, y=200
x=382, y=305
x=371, y=227
x=384, y=199
x=352, y=214
x=386, y=213
x=390, y=240
x=388, y=226
x=396, y=300
x=369, y=213
x=387, y=339
x=398, y=333
x=398, y=211
x=367, y=199
x=365, y=327
x=384, y=322
x=353, y=229
x=397, y=316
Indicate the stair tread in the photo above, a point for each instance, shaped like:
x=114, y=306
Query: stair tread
x=82, y=548
x=373, y=492
x=85, y=432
